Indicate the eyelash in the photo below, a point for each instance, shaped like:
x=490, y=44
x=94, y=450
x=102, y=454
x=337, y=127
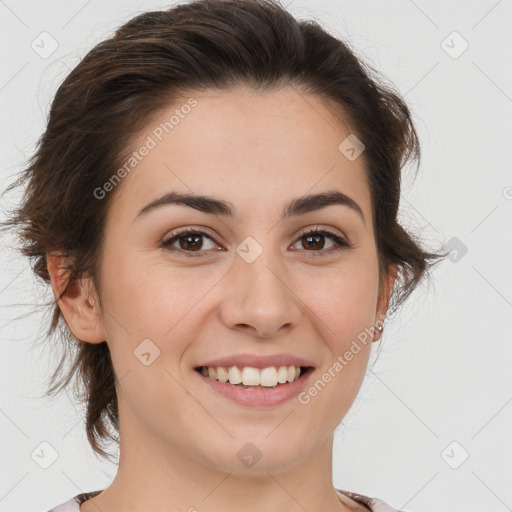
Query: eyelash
x=341, y=244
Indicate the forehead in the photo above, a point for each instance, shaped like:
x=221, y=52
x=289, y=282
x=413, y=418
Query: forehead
x=258, y=148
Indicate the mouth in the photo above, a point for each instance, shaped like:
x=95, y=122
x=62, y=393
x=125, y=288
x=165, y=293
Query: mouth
x=255, y=380
x=251, y=378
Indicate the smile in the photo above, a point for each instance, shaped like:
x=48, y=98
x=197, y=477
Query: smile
x=255, y=387
x=253, y=378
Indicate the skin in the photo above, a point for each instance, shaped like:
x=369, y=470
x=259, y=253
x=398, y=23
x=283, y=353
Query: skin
x=179, y=440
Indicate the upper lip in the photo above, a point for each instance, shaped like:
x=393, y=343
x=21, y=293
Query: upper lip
x=255, y=361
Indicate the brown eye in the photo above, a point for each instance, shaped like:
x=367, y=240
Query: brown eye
x=189, y=241
x=314, y=241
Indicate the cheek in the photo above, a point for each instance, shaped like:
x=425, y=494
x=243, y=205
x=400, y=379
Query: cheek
x=343, y=299
x=343, y=314
x=343, y=305
x=149, y=321
x=150, y=297
x=146, y=299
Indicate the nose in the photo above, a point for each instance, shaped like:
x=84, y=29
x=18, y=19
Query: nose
x=259, y=299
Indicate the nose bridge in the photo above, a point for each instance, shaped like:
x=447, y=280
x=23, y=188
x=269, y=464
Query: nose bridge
x=259, y=295
x=262, y=276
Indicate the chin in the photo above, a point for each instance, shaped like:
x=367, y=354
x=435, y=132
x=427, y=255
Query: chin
x=256, y=455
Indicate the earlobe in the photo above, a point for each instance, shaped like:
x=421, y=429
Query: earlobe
x=77, y=301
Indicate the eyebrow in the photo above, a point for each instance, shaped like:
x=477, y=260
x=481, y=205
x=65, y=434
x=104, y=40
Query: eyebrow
x=213, y=206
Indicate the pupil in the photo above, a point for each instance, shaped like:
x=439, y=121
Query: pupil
x=190, y=237
x=312, y=237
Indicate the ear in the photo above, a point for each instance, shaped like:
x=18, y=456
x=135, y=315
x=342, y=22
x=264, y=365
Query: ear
x=79, y=304
x=384, y=298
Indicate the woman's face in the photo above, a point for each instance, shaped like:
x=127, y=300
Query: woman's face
x=239, y=287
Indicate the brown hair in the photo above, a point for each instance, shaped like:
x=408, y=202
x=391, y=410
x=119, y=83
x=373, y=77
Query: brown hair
x=123, y=81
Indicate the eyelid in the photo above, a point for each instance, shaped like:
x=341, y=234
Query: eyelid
x=191, y=229
x=320, y=229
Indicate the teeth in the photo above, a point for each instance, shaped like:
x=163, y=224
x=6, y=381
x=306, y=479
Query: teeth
x=249, y=376
x=222, y=374
x=282, y=374
x=269, y=377
x=235, y=375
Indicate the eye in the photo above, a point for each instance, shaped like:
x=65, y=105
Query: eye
x=313, y=239
x=190, y=241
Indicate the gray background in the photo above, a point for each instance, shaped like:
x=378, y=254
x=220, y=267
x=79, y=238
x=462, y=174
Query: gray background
x=441, y=389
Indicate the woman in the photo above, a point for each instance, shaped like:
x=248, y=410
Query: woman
x=214, y=202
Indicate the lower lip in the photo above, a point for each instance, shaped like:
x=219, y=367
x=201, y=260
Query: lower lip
x=257, y=397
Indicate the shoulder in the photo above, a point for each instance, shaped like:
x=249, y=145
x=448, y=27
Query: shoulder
x=70, y=506
x=372, y=504
x=73, y=505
